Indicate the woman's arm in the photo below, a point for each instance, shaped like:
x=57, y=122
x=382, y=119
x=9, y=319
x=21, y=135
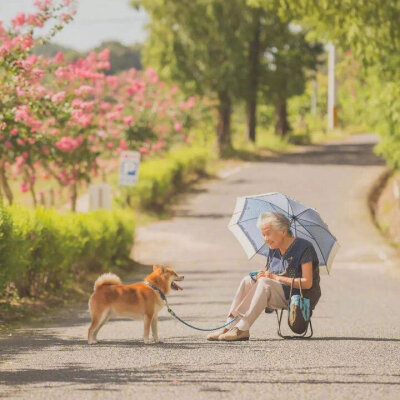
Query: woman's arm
x=306, y=280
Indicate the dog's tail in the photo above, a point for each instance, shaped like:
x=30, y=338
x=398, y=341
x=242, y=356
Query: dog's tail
x=107, y=279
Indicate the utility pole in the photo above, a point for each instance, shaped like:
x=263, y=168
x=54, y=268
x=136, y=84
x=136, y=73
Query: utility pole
x=332, y=101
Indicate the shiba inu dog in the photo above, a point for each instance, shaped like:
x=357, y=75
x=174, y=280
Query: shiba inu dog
x=113, y=299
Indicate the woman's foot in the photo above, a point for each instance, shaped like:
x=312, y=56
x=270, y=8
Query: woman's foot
x=215, y=335
x=235, y=334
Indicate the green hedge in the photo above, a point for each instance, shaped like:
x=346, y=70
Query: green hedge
x=160, y=179
x=42, y=250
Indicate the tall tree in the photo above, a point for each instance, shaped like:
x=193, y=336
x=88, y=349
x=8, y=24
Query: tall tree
x=287, y=59
x=201, y=45
x=254, y=54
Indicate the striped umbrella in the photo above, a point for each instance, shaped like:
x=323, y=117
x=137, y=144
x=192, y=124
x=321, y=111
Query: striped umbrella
x=305, y=222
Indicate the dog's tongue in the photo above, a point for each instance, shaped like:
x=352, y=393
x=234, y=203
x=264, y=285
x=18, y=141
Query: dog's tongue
x=175, y=286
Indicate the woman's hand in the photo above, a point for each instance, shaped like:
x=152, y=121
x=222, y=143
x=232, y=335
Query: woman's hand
x=265, y=274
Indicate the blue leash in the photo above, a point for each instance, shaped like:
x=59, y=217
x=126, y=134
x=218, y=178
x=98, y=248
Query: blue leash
x=180, y=319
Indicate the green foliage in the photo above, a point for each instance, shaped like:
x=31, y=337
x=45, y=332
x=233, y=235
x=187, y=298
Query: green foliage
x=199, y=44
x=371, y=30
x=160, y=179
x=42, y=250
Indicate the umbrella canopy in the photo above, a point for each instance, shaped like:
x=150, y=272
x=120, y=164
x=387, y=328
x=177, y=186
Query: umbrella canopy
x=305, y=222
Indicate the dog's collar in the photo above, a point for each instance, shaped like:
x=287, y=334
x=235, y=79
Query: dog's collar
x=157, y=290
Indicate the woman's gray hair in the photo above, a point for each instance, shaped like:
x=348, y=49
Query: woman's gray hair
x=276, y=219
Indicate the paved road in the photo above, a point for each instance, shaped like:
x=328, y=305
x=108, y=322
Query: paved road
x=356, y=349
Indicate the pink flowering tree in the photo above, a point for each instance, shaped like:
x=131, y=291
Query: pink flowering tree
x=22, y=100
x=71, y=120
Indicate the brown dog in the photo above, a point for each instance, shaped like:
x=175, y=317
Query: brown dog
x=113, y=299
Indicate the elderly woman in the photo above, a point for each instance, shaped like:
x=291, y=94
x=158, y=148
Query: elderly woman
x=288, y=256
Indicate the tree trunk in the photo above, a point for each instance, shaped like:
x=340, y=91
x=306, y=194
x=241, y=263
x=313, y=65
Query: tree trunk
x=31, y=186
x=282, y=125
x=254, y=62
x=74, y=196
x=4, y=183
x=224, y=123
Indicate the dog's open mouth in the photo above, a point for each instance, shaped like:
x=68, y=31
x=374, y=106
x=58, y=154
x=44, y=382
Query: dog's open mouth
x=175, y=286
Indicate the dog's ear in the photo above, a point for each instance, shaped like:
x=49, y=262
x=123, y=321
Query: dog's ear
x=159, y=268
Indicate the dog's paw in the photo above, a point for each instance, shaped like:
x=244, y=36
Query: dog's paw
x=146, y=341
x=92, y=341
x=158, y=340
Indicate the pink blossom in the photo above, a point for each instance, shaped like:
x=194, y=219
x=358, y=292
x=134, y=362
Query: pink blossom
x=188, y=104
x=35, y=19
x=128, y=120
x=123, y=145
x=22, y=113
x=152, y=75
x=38, y=73
x=104, y=55
x=14, y=131
x=23, y=187
x=81, y=118
x=87, y=106
x=143, y=150
x=58, y=97
x=19, y=19
x=158, y=146
x=111, y=116
x=77, y=103
x=112, y=81
x=8, y=145
x=20, y=92
x=42, y=4
x=177, y=126
x=19, y=160
x=69, y=144
x=26, y=42
x=59, y=58
x=136, y=87
x=65, y=17
x=84, y=90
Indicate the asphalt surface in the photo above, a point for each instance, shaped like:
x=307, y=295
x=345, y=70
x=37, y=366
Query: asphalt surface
x=355, y=352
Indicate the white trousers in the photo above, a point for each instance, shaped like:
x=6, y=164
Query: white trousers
x=252, y=298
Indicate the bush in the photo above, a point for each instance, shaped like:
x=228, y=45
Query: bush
x=42, y=250
x=160, y=178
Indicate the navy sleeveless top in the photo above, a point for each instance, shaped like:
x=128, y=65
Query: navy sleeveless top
x=299, y=252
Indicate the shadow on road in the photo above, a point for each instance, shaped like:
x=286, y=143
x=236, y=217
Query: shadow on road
x=167, y=373
x=336, y=154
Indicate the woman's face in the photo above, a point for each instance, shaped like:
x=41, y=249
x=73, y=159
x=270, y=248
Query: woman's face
x=273, y=237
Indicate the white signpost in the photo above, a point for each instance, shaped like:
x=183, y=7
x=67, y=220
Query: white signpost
x=129, y=168
x=99, y=196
